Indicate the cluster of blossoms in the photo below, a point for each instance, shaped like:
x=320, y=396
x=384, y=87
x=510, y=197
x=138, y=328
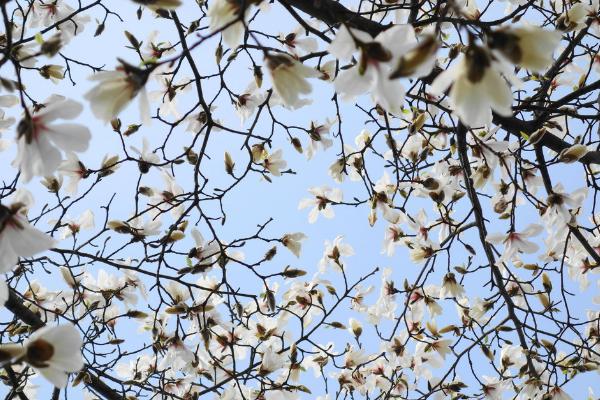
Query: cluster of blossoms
x=467, y=166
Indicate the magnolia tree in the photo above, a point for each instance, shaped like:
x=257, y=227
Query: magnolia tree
x=157, y=254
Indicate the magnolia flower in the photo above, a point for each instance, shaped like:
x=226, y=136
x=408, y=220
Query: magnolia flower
x=53, y=72
x=530, y=47
x=73, y=168
x=293, y=241
x=477, y=87
x=516, y=242
x=205, y=252
x=225, y=15
x=53, y=351
x=59, y=14
x=318, y=136
x=493, y=388
x=168, y=198
x=274, y=163
x=289, y=78
x=115, y=89
x=450, y=287
x=560, y=203
x=392, y=236
x=334, y=251
x=147, y=156
x=248, y=102
x=85, y=221
x=18, y=238
x=298, y=39
x=323, y=197
x=39, y=141
x=373, y=73
x=574, y=18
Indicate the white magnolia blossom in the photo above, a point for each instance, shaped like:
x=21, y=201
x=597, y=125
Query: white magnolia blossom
x=478, y=87
x=18, y=238
x=378, y=58
x=185, y=300
x=53, y=351
x=40, y=141
x=517, y=242
x=289, y=78
x=293, y=241
x=226, y=16
x=528, y=46
x=73, y=168
x=58, y=12
x=74, y=226
x=115, y=89
x=274, y=162
x=323, y=198
x=332, y=256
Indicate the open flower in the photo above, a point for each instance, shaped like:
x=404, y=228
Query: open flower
x=516, y=242
x=530, y=47
x=18, y=238
x=226, y=16
x=39, y=141
x=73, y=168
x=334, y=251
x=289, y=78
x=74, y=226
x=373, y=72
x=293, y=241
x=274, y=163
x=477, y=87
x=53, y=351
x=323, y=197
x=115, y=89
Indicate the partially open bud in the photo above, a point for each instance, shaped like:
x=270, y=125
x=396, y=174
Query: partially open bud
x=52, y=184
x=355, y=328
x=259, y=153
x=229, y=164
x=297, y=145
x=573, y=153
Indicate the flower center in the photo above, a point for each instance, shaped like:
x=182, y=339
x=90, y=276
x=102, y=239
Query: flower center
x=39, y=352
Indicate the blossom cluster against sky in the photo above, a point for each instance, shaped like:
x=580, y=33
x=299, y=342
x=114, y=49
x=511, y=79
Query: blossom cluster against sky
x=258, y=200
